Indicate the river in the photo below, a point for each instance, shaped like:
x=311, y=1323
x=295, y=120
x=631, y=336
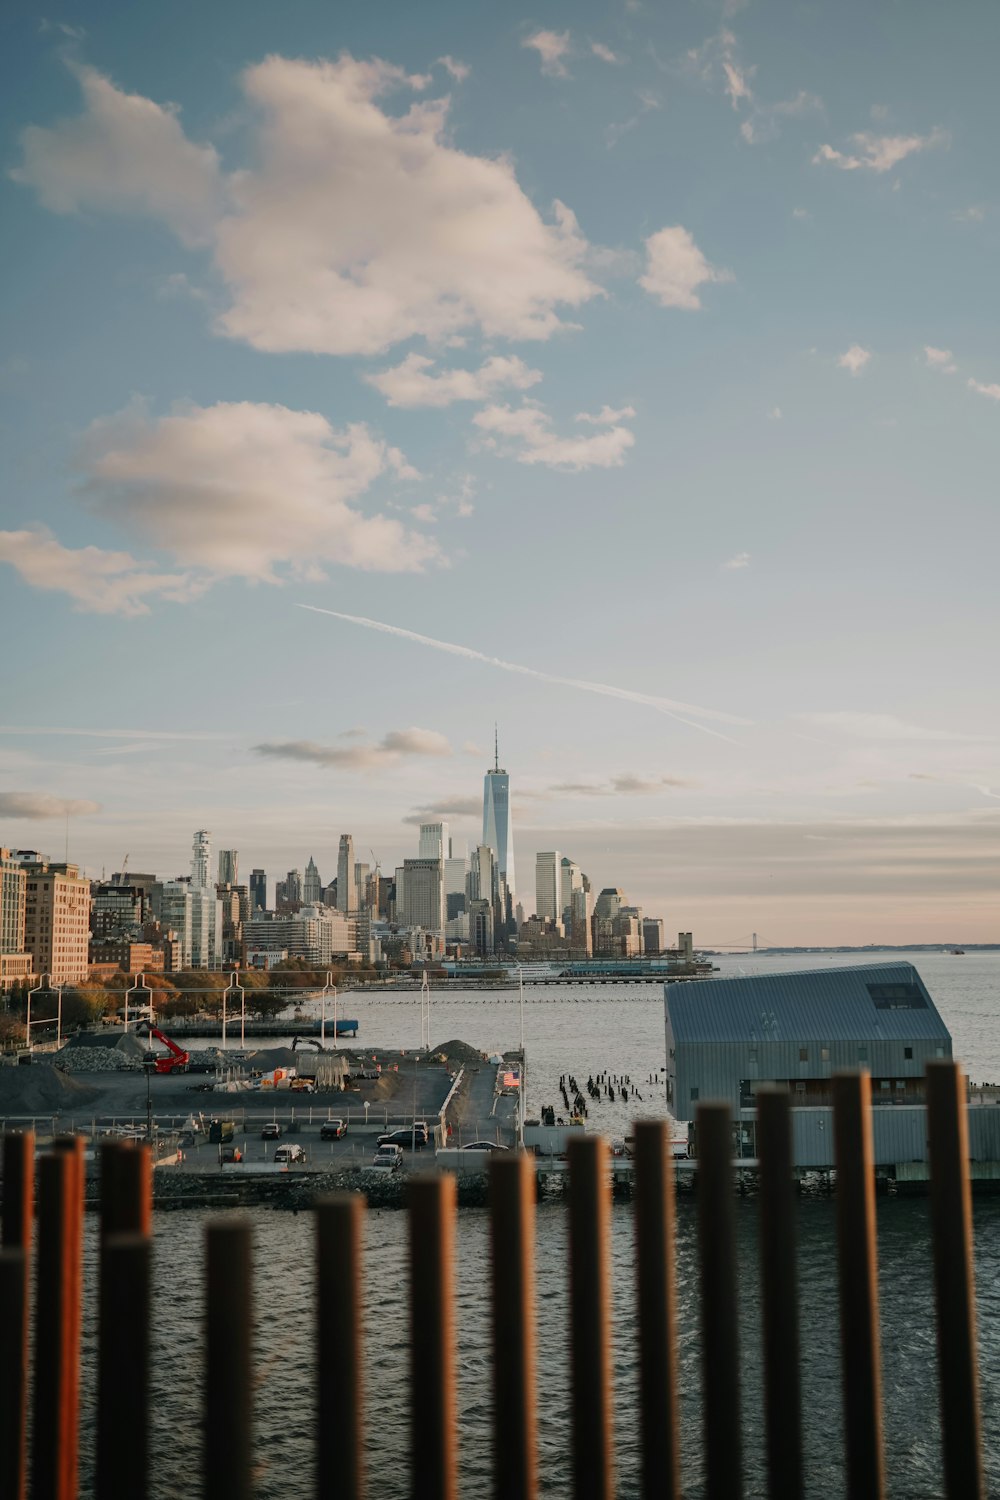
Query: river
x=619, y=1031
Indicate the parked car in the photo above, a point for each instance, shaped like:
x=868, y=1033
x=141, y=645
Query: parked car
x=388, y=1158
x=271, y=1131
x=332, y=1130
x=231, y=1154
x=483, y=1146
x=287, y=1154
x=406, y=1136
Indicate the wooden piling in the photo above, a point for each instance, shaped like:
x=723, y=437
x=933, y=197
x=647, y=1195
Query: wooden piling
x=779, y=1285
x=18, y=1189
x=512, y=1220
x=340, y=1469
x=126, y=1188
x=229, y=1363
x=56, y=1374
x=954, y=1280
x=657, y=1310
x=13, y=1372
x=590, y=1323
x=857, y=1257
x=719, y=1314
x=432, y=1203
x=123, y=1370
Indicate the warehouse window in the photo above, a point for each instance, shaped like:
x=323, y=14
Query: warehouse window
x=803, y=1054
x=897, y=996
x=908, y=1053
x=824, y=1054
x=694, y=1093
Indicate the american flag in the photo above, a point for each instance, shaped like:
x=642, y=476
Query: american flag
x=512, y=1079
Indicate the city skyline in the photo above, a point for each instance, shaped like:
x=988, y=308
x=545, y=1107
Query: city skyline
x=691, y=488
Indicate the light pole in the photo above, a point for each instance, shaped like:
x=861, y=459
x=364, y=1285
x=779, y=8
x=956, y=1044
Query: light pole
x=44, y=988
x=425, y=1012
x=235, y=989
x=134, y=989
x=328, y=988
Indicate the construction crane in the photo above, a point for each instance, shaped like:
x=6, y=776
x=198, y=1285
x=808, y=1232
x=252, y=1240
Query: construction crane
x=176, y=1061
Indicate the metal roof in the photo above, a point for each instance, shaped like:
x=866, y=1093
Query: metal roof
x=820, y=1005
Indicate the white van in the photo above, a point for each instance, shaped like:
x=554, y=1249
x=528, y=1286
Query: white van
x=285, y=1155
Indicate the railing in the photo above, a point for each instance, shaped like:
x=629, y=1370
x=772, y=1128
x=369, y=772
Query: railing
x=122, y=1456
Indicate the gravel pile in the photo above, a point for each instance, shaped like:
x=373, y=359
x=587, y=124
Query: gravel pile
x=40, y=1088
x=97, y=1060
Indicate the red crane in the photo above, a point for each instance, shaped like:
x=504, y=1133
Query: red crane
x=177, y=1059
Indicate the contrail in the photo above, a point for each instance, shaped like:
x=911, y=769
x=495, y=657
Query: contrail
x=668, y=706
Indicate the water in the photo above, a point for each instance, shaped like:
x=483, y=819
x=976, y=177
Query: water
x=618, y=1031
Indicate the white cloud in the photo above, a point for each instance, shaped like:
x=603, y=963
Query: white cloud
x=876, y=726
x=607, y=416
x=879, y=153
x=354, y=228
x=124, y=154
x=100, y=582
x=530, y=439
x=993, y=391
x=974, y=215
x=737, y=86
x=605, y=53
x=854, y=359
x=740, y=560
x=41, y=805
x=424, y=512
x=240, y=489
x=458, y=70
x=940, y=359
x=775, y=414
x=676, y=268
x=801, y=213
x=552, y=47
x=392, y=748
x=409, y=384
x=763, y=123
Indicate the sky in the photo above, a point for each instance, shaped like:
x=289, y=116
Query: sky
x=624, y=374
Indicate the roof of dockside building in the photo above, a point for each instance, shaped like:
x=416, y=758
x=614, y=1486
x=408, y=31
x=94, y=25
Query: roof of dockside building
x=881, y=1002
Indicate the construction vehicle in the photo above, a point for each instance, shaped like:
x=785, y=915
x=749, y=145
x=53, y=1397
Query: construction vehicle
x=306, y=1041
x=221, y=1130
x=176, y=1061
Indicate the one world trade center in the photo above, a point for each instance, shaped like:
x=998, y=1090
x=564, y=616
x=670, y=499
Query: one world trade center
x=497, y=831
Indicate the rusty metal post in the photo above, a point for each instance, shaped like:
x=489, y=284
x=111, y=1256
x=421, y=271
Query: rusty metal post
x=123, y=1373
x=857, y=1255
x=56, y=1383
x=782, y=1396
x=432, y=1351
x=340, y=1474
x=229, y=1363
x=719, y=1313
x=512, y=1220
x=18, y=1189
x=657, y=1298
x=15, y=1259
x=589, y=1222
x=72, y=1147
x=954, y=1280
x=126, y=1188
x=13, y=1373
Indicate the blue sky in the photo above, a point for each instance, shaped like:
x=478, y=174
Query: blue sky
x=642, y=346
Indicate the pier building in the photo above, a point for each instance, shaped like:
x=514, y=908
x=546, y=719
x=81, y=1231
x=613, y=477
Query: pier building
x=727, y=1037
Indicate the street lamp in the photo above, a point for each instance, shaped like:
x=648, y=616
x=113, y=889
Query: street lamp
x=44, y=988
x=328, y=987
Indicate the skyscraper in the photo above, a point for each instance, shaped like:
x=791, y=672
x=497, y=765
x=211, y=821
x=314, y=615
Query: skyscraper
x=312, y=886
x=201, y=858
x=497, y=830
x=434, y=841
x=548, y=895
x=229, y=866
x=347, y=888
x=258, y=890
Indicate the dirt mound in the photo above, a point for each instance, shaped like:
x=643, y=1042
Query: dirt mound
x=115, y=1040
x=40, y=1089
x=459, y=1053
x=269, y=1058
